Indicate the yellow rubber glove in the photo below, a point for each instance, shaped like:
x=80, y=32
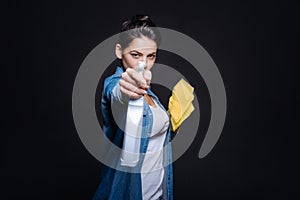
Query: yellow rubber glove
x=180, y=103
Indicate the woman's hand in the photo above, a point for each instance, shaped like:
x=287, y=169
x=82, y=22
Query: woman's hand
x=147, y=76
x=133, y=84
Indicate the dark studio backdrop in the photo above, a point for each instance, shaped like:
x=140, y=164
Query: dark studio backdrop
x=42, y=156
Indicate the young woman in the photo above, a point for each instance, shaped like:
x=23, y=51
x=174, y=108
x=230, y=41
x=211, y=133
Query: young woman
x=149, y=175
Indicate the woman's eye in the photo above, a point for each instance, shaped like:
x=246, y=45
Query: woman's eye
x=135, y=55
x=151, y=56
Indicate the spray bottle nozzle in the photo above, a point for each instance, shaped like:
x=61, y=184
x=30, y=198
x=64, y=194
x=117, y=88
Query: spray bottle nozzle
x=140, y=67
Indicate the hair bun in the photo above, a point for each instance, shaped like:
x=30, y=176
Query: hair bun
x=136, y=27
x=137, y=21
x=141, y=18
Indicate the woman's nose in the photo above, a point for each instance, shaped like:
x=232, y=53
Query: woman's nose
x=143, y=58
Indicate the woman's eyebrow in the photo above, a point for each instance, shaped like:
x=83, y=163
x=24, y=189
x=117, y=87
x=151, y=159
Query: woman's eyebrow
x=132, y=51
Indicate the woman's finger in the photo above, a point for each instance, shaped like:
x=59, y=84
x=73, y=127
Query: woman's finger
x=137, y=78
x=148, y=76
x=127, y=78
x=130, y=94
x=131, y=88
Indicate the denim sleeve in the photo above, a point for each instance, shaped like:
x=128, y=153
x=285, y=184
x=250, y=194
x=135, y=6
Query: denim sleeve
x=118, y=95
x=112, y=92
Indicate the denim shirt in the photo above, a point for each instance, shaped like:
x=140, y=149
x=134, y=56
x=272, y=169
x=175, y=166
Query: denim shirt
x=125, y=185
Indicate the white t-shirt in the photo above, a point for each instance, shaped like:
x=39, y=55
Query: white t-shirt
x=152, y=169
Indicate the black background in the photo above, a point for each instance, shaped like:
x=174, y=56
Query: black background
x=42, y=156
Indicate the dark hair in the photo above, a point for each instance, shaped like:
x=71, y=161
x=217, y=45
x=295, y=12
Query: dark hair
x=136, y=27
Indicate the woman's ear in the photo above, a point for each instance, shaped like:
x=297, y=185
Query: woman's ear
x=118, y=51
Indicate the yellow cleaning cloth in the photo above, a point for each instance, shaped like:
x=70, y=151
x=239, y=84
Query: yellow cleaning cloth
x=180, y=103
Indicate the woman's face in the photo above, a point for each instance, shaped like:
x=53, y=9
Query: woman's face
x=139, y=49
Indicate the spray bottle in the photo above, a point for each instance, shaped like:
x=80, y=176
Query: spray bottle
x=133, y=128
